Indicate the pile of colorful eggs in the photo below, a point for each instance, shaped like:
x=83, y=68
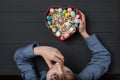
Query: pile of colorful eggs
x=63, y=21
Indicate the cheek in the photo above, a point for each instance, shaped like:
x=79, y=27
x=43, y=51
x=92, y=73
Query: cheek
x=49, y=73
x=48, y=77
x=67, y=69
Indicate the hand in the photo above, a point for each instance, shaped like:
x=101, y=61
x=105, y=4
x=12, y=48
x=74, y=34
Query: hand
x=49, y=54
x=82, y=26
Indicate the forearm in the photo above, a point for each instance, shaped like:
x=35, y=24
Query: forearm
x=100, y=54
x=23, y=58
x=100, y=60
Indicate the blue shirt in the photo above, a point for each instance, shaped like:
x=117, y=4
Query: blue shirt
x=98, y=65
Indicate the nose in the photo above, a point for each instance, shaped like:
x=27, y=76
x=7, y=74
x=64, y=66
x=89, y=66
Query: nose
x=59, y=68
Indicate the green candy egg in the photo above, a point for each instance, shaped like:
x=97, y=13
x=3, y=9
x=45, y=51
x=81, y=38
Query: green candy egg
x=64, y=11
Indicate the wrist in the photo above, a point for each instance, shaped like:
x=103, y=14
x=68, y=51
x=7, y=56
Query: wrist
x=85, y=34
x=37, y=51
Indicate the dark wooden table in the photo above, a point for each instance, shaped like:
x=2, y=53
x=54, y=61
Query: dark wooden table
x=22, y=23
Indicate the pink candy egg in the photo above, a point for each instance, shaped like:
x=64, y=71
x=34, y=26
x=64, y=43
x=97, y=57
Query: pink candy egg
x=51, y=10
x=77, y=16
x=69, y=9
x=62, y=38
x=66, y=35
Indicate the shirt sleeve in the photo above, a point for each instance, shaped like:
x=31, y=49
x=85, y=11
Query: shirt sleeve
x=23, y=60
x=100, y=60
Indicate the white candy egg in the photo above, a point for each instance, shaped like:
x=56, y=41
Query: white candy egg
x=54, y=29
x=76, y=21
x=58, y=34
x=67, y=24
x=71, y=29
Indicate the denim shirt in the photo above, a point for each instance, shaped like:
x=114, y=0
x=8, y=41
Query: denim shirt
x=98, y=65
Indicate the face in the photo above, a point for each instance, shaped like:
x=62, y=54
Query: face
x=58, y=70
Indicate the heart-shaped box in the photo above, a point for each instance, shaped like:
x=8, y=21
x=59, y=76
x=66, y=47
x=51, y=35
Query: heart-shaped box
x=62, y=21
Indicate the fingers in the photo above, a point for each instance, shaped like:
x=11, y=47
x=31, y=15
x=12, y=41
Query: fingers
x=80, y=20
x=58, y=60
x=83, y=16
x=52, y=54
x=59, y=55
x=55, y=59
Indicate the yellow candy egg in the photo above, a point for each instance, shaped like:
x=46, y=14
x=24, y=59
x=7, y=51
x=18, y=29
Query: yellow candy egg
x=51, y=26
x=67, y=14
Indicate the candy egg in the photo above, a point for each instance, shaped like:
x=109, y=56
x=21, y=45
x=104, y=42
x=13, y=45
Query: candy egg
x=56, y=10
x=61, y=21
x=77, y=16
x=62, y=38
x=51, y=26
x=72, y=13
x=66, y=35
x=71, y=29
x=58, y=34
x=51, y=10
x=49, y=23
x=60, y=10
x=67, y=24
x=54, y=29
x=69, y=9
x=76, y=21
x=48, y=17
x=64, y=11
x=67, y=14
x=76, y=25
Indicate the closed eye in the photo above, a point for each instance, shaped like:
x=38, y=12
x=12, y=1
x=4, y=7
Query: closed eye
x=68, y=72
x=54, y=76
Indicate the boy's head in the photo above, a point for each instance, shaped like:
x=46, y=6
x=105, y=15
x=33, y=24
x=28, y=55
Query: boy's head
x=60, y=72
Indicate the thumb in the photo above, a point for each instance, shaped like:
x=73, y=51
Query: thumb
x=80, y=20
x=80, y=23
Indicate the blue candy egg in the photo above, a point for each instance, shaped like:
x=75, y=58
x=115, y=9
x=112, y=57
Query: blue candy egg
x=76, y=25
x=48, y=17
x=60, y=10
x=49, y=23
x=76, y=21
x=72, y=13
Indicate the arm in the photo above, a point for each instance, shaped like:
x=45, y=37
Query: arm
x=24, y=55
x=101, y=58
x=23, y=58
